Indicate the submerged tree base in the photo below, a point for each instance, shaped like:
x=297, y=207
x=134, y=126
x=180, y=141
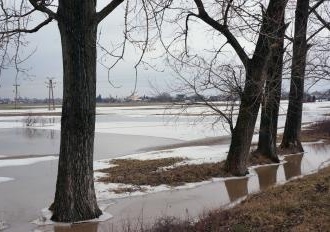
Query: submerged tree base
x=259, y=158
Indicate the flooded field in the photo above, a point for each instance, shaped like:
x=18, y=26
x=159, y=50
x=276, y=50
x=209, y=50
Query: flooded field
x=28, y=167
x=192, y=202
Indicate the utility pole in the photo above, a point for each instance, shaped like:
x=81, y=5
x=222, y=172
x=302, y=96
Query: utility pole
x=51, y=85
x=16, y=93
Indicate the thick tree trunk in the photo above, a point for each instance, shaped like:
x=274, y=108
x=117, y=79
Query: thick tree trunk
x=291, y=137
x=271, y=100
x=239, y=150
x=237, y=158
x=75, y=198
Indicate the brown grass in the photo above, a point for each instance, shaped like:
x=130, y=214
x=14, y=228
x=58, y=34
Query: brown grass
x=300, y=205
x=317, y=131
x=154, y=172
x=313, y=133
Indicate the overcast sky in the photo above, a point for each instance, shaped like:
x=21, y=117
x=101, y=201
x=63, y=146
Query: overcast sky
x=47, y=62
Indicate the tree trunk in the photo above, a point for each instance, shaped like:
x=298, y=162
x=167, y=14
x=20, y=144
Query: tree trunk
x=271, y=100
x=75, y=198
x=291, y=137
x=237, y=158
x=239, y=150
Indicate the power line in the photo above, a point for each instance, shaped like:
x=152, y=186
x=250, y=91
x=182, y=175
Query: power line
x=16, y=93
x=51, y=85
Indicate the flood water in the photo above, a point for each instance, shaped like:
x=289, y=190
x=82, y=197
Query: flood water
x=33, y=186
x=20, y=142
x=193, y=202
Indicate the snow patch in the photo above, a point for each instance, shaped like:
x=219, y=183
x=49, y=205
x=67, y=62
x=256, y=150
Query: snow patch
x=28, y=161
x=5, y=179
x=46, y=214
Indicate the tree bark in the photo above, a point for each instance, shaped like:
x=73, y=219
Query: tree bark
x=239, y=150
x=291, y=137
x=237, y=158
x=75, y=198
x=271, y=100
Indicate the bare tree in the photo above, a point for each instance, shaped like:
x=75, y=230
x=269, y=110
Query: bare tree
x=236, y=162
x=291, y=137
x=77, y=21
x=271, y=99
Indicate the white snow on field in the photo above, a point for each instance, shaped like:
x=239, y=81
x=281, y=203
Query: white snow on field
x=22, y=162
x=196, y=155
x=182, y=130
x=154, y=123
x=29, y=110
x=5, y=179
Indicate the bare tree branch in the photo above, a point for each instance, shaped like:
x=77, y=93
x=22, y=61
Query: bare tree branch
x=202, y=14
x=325, y=23
x=24, y=30
x=40, y=5
x=313, y=8
x=107, y=10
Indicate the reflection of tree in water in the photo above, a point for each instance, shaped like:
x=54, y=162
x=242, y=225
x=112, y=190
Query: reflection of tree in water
x=32, y=133
x=267, y=176
x=84, y=227
x=236, y=188
x=292, y=167
x=39, y=133
x=316, y=147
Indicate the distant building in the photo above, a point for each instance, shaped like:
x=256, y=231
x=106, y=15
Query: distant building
x=133, y=97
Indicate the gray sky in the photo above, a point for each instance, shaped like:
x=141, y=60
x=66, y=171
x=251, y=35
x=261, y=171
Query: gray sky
x=47, y=62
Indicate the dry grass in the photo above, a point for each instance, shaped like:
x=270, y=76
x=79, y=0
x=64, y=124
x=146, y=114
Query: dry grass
x=128, y=189
x=313, y=133
x=154, y=172
x=317, y=131
x=301, y=205
x=257, y=159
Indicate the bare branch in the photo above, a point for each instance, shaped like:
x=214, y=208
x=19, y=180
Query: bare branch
x=313, y=8
x=202, y=14
x=225, y=20
x=23, y=30
x=325, y=23
x=107, y=10
x=41, y=6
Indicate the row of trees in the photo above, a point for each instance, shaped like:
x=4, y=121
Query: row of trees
x=276, y=55
x=256, y=79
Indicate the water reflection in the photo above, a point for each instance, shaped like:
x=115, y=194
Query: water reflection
x=236, y=188
x=267, y=176
x=84, y=227
x=292, y=167
x=32, y=133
